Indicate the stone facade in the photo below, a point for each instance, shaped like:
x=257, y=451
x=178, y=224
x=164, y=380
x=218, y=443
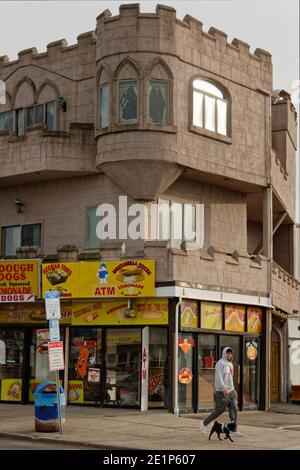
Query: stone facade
x=59, y=174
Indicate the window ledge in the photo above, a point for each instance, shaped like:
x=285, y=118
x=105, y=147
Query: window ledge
x=171, y=129
x=211, y=135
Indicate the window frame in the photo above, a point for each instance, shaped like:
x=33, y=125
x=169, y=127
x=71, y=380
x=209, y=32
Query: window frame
x=137, y=121
x=202, y=130
x=168, y=120
x=10, y=112
x=100, y=86
x=4, y=228
x=34, y=107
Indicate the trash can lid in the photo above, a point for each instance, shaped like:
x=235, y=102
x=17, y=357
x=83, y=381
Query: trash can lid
x=41, y=388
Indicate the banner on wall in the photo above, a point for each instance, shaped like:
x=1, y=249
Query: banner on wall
x=235, y=317
x=189, y=314
x=128, y=278
x=211, y=315
x=19, y=281
x=143, y=312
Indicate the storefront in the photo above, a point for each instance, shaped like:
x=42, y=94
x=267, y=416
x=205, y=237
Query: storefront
x=102, y=327
x=206, y=328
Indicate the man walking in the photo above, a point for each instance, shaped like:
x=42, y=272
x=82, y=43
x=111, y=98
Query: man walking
x=225, y=395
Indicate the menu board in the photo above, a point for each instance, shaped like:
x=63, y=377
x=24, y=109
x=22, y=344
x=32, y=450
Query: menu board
x=235, y=317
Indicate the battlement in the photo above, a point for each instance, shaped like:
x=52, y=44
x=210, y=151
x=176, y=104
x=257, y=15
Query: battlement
x=31, y=55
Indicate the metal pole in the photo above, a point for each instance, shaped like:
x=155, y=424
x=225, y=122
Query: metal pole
x=176, y=407
x=58, y=401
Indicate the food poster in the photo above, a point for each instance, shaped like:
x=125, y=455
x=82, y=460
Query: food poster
x=235, y=318
x=211, y=315
x=41, y=354
x=19, y=281
x=31, y=313
x=254, y=320
x=33, y=384
x=76, y=391
x=130, y=278
x=142, y=312
x=11, y=389
x=93, y=375
x=189, y=314
x=252, y=350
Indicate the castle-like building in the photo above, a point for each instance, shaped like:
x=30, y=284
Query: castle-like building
x=159, y=110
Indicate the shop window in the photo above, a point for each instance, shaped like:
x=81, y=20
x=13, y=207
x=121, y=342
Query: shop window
x=159, y=373
x=20, y=235
x=207, y=356
x=128, y=101
x=12, y=367
x=104, y=105
x=177, y=222
x=6, y=121
x=210, y=107
x=185, y=376
x=159, y=101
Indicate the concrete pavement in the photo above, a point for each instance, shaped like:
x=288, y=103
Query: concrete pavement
x=156, y=429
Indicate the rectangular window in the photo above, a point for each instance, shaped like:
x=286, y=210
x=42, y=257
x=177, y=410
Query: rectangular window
x=6, y=121
x=198, y=109
x=128, y=101
x=51, y=116
x=20, y=235
x=176, y=222
x=222, y=117
x=104, y=106
x=210, y=113
x=91, y=239
x=159, y=101
x=20, y=122
x=39, y=117
x=30, y=116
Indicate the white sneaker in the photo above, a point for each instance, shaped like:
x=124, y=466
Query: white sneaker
x=236, y=434
x=202, y=427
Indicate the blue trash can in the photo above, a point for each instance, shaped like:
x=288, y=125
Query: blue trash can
x=46, y=407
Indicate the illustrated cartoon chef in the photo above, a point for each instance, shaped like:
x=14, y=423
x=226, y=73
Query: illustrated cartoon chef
x=102, y=273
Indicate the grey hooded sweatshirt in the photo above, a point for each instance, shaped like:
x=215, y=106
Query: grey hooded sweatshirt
x=224, y=374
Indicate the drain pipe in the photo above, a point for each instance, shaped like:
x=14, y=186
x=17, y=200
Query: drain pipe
x=176, y=407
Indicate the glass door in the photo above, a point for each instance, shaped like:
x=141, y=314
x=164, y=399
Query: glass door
x=85, y=366
x=233, y=342
x=251, y=372
x=185, y=375
x=11, y=364
x=207, y=354
x=123, y=367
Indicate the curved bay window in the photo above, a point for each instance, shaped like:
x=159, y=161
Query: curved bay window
x=210, y=107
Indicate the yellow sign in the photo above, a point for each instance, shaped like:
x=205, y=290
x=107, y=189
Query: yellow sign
x=142, y=312
x=128, y=278
x=189, y=314
x=11, y=389
x=76, y=391
x=254, y=320
x=19, y=281
x=211, y=315
x=235, y=317
x=31, y=313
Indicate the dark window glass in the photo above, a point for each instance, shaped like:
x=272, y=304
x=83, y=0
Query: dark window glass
x=39, y=114
x=104, y=106
x=30, y=116
x=51, y=115
x=31, y=235
x=6, y=121
x=158, y=101
x=20, y=121
x=128, y=99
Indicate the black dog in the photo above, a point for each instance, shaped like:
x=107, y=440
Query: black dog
x=223, y=428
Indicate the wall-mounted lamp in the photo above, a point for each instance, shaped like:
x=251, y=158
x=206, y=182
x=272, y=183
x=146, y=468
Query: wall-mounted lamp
x=62, y=103
x=19, y=206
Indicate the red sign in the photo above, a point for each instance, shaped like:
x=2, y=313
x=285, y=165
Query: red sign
x=5, y=298
x=56, y=355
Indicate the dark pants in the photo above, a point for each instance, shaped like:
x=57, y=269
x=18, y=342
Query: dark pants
x=222, y=403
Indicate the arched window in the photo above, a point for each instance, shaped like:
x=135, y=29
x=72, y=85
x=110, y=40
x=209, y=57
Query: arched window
x=210, y=107
x=128, y=75
x=104, y=92
x=159, y=90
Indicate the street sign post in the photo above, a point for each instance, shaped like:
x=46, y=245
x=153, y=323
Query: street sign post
x=55, y=346
x=52, y=301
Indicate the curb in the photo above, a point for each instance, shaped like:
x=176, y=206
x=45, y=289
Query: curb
x=24, y=437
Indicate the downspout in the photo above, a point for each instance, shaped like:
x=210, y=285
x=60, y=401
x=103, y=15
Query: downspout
x=176, y=407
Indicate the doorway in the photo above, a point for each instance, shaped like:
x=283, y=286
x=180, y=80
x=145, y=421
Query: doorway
x=233, y=342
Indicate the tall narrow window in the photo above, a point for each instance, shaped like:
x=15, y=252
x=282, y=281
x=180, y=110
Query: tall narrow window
x=128, y=101
x=159, y=101
x=91, y=239
x=50, y=115
x=20, y=122
x=210, y=107
x=104, y=106
x=6, y=121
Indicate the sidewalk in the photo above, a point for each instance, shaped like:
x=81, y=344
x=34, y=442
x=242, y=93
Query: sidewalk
x=156, y=429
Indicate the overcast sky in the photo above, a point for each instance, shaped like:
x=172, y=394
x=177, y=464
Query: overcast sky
x=268, y=24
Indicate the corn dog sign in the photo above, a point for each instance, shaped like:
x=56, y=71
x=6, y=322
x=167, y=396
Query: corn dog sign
x=127, y=278
x=19, y=281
